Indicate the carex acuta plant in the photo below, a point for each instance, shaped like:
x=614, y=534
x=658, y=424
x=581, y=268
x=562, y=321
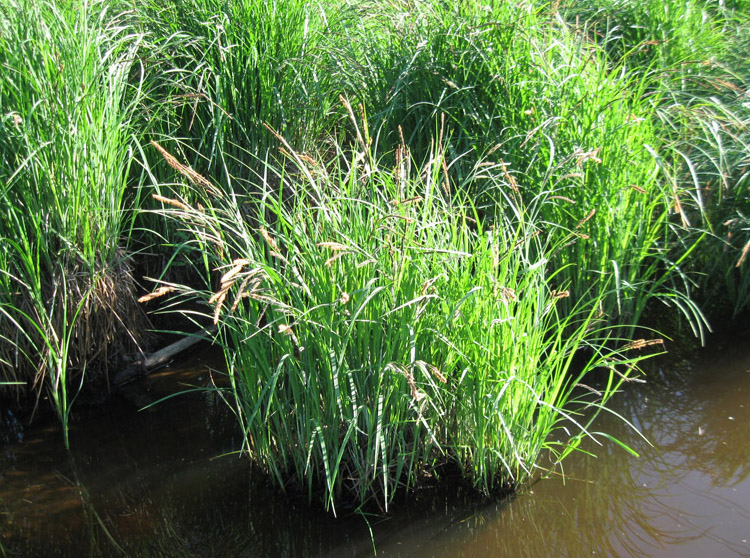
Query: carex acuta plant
x=690, y=57
x=377, y=330
x=539, y=98
x=68, y=98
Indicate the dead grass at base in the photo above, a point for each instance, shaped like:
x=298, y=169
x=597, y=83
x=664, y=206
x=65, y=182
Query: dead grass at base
x=111, y=326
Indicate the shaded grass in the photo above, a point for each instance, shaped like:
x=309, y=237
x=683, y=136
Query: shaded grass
x=221, y=70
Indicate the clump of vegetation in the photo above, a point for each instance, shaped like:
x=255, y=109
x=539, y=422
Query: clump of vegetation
x=553, y=152
x=376, y=330
x=418, y=232
x=69, y=100
x=218, y=71
x=693, y=59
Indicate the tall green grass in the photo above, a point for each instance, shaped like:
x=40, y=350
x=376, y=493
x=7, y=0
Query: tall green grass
x=692, y=57
x=376, y=330
x=68, y=92
x=509, y=83
x=430, y=276
x=568, y=119
x=419, y=278
x=224, y=69
x=667, y=36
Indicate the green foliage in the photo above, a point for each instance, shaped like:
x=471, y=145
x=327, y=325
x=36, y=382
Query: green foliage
x=662, y=35
x=375, y=330
x=693, y=58
x=68, y=104
x=220, y=70
x=531, y=95
x=423, y=277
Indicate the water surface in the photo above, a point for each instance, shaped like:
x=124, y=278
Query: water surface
x=164, y=482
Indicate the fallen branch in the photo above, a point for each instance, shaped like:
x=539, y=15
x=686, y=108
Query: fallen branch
x=146, y=365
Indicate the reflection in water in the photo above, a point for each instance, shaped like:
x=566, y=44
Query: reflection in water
x=133, y=480
x=686, y=495
x=158, y=483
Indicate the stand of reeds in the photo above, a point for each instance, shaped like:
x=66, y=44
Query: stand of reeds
x=421, y=228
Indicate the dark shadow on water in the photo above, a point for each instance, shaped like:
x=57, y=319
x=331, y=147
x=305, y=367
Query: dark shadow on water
x=163, y=482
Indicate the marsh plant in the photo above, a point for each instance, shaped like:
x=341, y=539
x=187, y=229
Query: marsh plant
x=418, y=226
x=376, y=330
x=428, y=284
x=514, y=86
x=68, y=99
x=692, y=57
x=221, y=70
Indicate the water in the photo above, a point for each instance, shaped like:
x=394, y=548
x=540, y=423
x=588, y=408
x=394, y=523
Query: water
x=162, y=482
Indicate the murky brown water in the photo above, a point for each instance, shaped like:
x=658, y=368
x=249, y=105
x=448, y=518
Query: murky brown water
x=159, y=483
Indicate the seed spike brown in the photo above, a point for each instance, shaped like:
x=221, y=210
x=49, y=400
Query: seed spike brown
x=161, y=291
x=643, y=343
x=586, y=219
x=188, y=172
x=172, y=202
x=745, y=251
x=267, y=237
